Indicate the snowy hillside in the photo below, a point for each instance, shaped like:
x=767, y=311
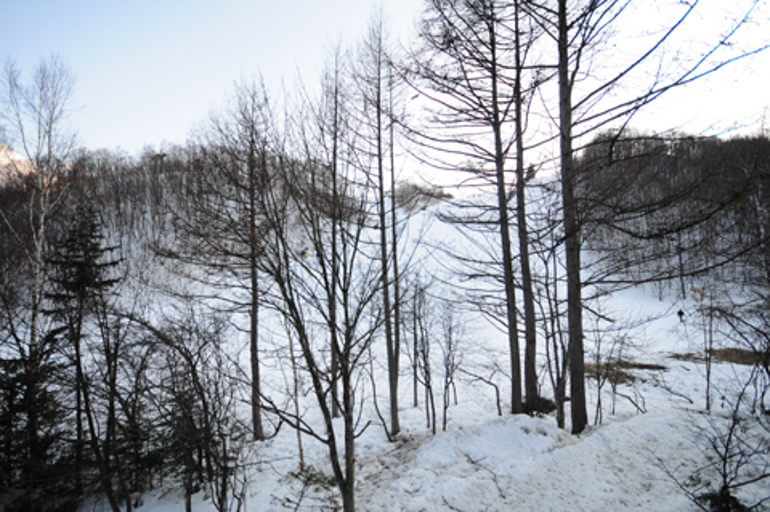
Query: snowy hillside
x=452, y=276
x=484, y=462
x=170, y=350
x=653, y=445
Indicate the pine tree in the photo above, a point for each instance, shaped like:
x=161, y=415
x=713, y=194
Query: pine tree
x=81, y=277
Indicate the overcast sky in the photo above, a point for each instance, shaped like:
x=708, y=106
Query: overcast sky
x=148, y=70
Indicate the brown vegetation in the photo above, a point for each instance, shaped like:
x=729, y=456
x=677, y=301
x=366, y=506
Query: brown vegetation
x=616, y=373
x=728, y=355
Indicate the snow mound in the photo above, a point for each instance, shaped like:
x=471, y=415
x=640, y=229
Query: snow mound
x=528, y=464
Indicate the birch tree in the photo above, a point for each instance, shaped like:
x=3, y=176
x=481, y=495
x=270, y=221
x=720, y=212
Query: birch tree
x=34, y=115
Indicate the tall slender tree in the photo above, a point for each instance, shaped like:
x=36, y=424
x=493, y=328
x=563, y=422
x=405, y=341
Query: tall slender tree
x=298, y=260
x=571, y=228
x=219, y=222
x=330, y=141
x=579, y=31
x=523, y=41
x=80, y=280
x=376, y=88
x=470, y=71
x=80, y=276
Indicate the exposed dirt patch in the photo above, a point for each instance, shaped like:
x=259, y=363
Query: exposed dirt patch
x=728, y=355
x=691, y=357
x=737, y=356
x=615, y=371
x=613, y=374
x=633, y=365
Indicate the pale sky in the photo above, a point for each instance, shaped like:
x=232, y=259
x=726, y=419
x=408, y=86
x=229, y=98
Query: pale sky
x=147, y=71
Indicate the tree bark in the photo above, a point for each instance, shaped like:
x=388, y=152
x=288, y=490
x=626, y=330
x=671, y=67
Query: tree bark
x=390, y=343
x=505, y=229
x=530, y=333
x=394, y=237
x=254, y=183
x=571, y=232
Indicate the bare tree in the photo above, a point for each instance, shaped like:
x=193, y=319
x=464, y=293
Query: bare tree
x=578, y=31
x=735, y=445
x=33, y=116
x=422, y=316
x=571, y=227
x=307, y=199
x=330, y=142
x=376, y=88
x=218, y=218
x=470, y=72
x=197, y=396
x=452, y=336
x=550, y=303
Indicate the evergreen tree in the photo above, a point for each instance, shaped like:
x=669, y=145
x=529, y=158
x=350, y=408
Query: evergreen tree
x=81, y=278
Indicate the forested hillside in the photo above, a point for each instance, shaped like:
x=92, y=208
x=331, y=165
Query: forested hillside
x=667, y=209
x=285, y=313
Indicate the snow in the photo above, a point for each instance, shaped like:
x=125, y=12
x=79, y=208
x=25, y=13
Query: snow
x=651, y=440
x=12, y=164
x=486, y=462
x=514, y=463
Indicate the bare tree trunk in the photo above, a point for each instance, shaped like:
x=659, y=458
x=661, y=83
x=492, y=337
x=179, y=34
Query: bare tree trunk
x=336, y=219
x=104, y=471
x=295, y=395
x=256, y=407
x=79, y=434
x=571, y=232
x=554, y=337
x=530, y=333
x=254, y=182
x=40, y=210
x=505, y=233
x=390, y=342
x=394, y=237
x=111, y=340
x=348, y=490
x=415, y=351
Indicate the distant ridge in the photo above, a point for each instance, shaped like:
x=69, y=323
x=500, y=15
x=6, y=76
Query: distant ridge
x=12, y=165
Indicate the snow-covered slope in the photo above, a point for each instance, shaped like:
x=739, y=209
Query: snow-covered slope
x=649, y=449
